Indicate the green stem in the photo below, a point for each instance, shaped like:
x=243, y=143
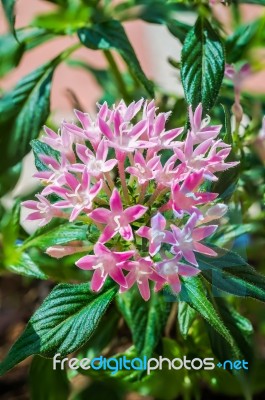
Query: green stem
x=117, y=75
x=65, y=54
x=123, y=181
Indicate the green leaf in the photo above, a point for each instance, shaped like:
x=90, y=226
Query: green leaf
x=23, y=112
x=22, y=264
x=39, y=147
x=9, y=178
x=56, y=234
x=239, y=41
x=10, y=227
x=193, y=292
x=102, y=336
x=240, y=328
x=111, y=35
x=186, y=316
x=146, y=319
x=64, y=21
x=232, y=274
x=63, y=323
x=10, y=53
x=9, y=9
x=46, y=383
x=259, y=2
x=178, y=29
x=203, y=65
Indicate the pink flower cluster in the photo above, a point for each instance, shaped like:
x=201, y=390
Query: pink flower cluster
x=151, y=215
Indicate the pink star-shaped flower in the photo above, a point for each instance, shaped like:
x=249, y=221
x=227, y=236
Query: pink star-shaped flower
x=116, y=219
x=200, y=130
x=184, y=198
x=79, y=196
x=171, y=269
x=141, y=271
x=142, y=169
x=96, y=162
x=156, y=234
x=186, y=241
x=43, y=210
x=105, y=262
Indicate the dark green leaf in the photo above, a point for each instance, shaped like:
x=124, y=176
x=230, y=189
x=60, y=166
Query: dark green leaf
x=178, y=29
x=63, y=323
x=9, y=9
x=102, y=336
x=10, y=53
x=23, y=112
x=231, y=273
x=46, y=383
x=203, y=65
x=194, y=294
x=186, y=316
x=146, y=319
x=258, y=2
x=9, y=178
x=111, y=35
x=240, y=328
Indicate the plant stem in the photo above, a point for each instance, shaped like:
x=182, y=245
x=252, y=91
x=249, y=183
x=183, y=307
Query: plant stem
x=106, y=188
x=65, y=54
x=109, y=180
x=123, y=181
x=117, y=74
x=157, y=193
x=143, y=188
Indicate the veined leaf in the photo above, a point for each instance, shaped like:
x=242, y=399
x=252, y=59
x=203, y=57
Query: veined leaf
x=111, y=35
x=146, y=319
x=102, y=336
x=63, y=323
x=203, y=65
x=186, y=316
x=46, y=383
x=194, y=294
x=240, y=328
x=232, y=274
x=56, y=235
x=23, y=112
x=39, y=147
x=25, y=266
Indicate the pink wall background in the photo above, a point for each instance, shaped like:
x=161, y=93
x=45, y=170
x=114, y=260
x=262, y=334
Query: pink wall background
x=152, y=43
x=66, y=77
